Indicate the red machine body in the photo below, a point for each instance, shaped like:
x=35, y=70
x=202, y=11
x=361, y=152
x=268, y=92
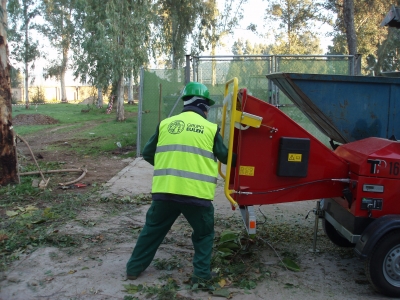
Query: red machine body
x=259, y=151
x=361, y=176
x=374, y=165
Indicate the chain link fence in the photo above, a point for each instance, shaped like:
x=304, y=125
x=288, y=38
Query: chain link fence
x=160, y=90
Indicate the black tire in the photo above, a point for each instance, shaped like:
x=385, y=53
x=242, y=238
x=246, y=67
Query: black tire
x=383, y=265
x=335, y=235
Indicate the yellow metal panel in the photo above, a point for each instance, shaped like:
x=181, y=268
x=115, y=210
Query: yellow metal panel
x=248, y=119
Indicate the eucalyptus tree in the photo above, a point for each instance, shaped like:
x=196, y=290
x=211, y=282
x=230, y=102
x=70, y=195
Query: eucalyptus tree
x=387, y=55
x=348, y=20
x=16, y=78
x=59, y=27
x=218, y=19
x=298, y=21
x=8, y=155
x=369, y=38
x=175, y=22
x=114, y=43
x=21, y=27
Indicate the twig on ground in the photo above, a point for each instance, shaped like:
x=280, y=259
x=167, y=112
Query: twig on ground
x=34, y=159
x=265, y=241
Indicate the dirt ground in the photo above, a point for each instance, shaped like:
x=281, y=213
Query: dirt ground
x=95, y=268
x=99, y=170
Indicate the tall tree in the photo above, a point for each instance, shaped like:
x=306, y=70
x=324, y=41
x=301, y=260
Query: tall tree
x=387, y=55
x=216, y=22
x=175, y=22
x=368, y=37
x=348, y=20
x=59, y=28
x=114, y=43
x=16, y=78
x=8, y=156
x=24, y=48
x=297, y=25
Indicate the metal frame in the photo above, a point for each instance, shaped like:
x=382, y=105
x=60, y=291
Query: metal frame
x=352, y=238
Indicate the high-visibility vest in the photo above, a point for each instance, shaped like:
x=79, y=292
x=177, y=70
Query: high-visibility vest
x=184, y=162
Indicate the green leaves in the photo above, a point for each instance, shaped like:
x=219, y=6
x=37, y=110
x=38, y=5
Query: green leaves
x=228, y=244
x=290, y=264
x=132, y=288
x=165, y=291
x=167, y=264
x=227, y=236
x=222, y=293
x=116, y=42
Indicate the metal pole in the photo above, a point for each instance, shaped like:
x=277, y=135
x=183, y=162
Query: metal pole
x=187, y=69
x=194, y=68
x=159, y=103
x=358, y=64
x=317, y=213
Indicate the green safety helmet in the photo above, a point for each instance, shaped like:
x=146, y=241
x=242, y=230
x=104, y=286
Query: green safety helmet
x=197, y=89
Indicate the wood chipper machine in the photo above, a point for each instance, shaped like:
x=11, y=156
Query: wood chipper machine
x=355, y=181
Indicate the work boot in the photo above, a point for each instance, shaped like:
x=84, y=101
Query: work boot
x=131, y=277
x=196, y=279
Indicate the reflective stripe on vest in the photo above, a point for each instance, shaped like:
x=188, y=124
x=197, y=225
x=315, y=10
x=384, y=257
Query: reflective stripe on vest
x=185, y=148
x=185, y=174
x=184, y=161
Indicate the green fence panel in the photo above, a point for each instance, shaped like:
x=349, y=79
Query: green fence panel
x=160, y=90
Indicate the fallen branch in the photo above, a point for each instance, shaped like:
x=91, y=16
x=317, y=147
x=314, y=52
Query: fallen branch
x=44, y=181
x=84, y=171
x=76, y=180
x=52, y=171
x=33, y=156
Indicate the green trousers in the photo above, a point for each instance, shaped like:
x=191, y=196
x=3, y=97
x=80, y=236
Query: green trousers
x=159, y=219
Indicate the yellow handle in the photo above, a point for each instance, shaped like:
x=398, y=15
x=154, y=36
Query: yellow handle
x=231, y=134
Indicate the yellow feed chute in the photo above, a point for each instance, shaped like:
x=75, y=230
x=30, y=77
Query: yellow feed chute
x=233, y=116
x=236, y=116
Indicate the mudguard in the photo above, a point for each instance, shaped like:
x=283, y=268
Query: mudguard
x=374, y=232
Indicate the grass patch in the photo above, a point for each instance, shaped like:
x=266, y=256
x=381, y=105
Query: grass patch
x=92, y=133
x=30, y=225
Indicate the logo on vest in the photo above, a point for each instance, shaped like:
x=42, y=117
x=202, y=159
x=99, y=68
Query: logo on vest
x=176, y=127
x=195, y=128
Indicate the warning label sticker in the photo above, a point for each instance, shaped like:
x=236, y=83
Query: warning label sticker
x=246, y=171
x=294, y=157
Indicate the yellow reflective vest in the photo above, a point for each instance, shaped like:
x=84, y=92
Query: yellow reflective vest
x=184, y=162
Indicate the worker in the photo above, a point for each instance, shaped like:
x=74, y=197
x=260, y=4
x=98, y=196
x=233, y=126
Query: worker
x=183, y=151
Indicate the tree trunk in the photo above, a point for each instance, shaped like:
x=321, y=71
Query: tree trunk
x=26, y=86
x=120, y=99
x=64, y=64
x=213, y=63
x=348, y=17
x=100, y=98
x=8, y=155
x=26, y=59
x=130, y=90
x=63, y=71
x=63, y=91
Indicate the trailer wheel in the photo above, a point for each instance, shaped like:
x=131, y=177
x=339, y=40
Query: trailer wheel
x=335, y=235
x=383, y=265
